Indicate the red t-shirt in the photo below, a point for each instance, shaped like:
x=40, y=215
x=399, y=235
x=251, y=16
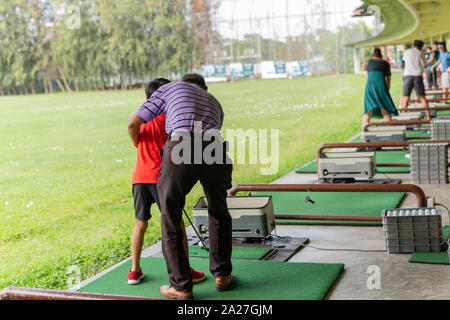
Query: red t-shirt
x=152, y=137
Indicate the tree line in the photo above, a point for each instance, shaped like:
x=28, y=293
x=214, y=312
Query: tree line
x=68, y=45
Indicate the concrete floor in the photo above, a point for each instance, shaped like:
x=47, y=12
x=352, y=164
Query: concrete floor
x=399, y=279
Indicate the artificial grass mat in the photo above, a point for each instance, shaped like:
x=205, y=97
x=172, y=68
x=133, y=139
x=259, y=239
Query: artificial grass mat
x=368, y=204
x=381, y=157
x=433, y=257
x=256, y=280
x=443, y=113
x=237, y=253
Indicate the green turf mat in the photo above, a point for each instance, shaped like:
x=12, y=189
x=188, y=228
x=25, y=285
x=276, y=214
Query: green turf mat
x=256, y=280
x=310, y=168
x=443, y=113
x=433, y=257
x=417, y=134
x=357, y=139
x=238, y=253
x=334, y=203
x=382, y=157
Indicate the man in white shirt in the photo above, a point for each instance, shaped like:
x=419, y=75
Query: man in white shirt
x=413, y=75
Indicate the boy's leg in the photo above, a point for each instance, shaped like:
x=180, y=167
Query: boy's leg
x=136, y=243
x=143, y=200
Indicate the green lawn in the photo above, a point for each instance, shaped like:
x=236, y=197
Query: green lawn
x=66, y=163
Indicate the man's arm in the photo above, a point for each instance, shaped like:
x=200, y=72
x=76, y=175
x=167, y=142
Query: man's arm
x=436, y=64
x=152, y=108
x=428, y=63
x=134, y=126
x=388, y=82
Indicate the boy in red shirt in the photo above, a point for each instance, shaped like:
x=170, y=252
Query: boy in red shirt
x=152, y=137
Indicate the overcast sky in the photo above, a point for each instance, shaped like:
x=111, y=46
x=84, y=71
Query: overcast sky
x=268, y=16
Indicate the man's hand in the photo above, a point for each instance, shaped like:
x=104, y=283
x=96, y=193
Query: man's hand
x=134, y=126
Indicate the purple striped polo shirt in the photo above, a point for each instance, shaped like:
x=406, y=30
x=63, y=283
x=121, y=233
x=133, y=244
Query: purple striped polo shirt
x=183, y=103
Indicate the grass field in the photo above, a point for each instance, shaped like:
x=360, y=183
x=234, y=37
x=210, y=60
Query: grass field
x=66, y=162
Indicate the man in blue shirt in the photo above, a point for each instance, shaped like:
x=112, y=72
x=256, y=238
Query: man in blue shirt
x=431, y=76
x=444, y=61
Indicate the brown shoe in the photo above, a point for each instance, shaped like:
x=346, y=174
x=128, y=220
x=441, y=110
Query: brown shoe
x=171, y=293
x=224, y=283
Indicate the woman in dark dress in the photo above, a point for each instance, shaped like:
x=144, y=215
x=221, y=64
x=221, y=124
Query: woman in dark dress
x=377, y=100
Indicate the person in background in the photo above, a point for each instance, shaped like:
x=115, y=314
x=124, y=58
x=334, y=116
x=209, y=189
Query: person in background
x=412, y=76
x=377, y=99
x=152, y=137
x=430, y=75
x=444, y=62
x=436, y=58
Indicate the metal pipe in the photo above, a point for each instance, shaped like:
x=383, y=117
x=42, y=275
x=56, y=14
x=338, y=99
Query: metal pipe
x=410, y=188
x=432, y=100
x=326, y=218
x=19, y=293
x=397, y=123
x=398, y=144
x=423, y=109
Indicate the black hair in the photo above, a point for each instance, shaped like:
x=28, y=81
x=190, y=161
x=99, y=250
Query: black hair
x=418, y=44
x=154, y=85
x=195, y=78
x=377, y=53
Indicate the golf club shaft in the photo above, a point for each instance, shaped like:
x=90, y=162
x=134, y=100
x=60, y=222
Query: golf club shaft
x=196, y=232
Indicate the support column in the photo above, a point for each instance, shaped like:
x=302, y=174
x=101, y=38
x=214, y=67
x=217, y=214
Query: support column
x=357, y=60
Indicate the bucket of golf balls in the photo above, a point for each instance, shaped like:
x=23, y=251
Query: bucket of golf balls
x=408, y=230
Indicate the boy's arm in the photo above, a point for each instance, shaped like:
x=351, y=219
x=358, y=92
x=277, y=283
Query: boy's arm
x=152, y=108
x=134, y=126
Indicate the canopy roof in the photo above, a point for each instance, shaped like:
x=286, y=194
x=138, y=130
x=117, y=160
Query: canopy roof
x=407, y=20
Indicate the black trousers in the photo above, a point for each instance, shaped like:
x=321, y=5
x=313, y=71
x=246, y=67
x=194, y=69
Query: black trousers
x=175, y=182
x=431, y=78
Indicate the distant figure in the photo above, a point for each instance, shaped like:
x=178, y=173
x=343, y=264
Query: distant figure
x=388, y=60
x=431, y=75
x=444, y=62
x=412, y=75
x=436, y=58
x=377, y=100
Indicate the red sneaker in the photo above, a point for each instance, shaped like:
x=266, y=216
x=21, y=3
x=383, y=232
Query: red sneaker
x=197, y=276
x=135, y=277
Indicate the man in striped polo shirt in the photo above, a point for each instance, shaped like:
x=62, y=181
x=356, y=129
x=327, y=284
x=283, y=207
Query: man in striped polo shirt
x=186, y=104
